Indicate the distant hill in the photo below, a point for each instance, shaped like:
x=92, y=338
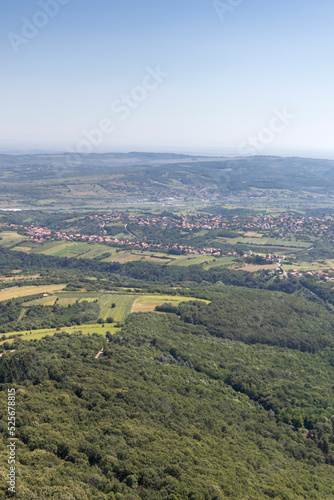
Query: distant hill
x=98, y=179
x=94, y=159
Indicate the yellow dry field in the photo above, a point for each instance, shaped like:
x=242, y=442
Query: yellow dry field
x=81, y=189
x=23, y=291
x=21, y=277
x=253, y=268
x=158, y=260
x=253, y=234
x=22, y=249
x=44, y=301
x=148, y=303
x=123, y=257
x=10, y=238
x=57, y=247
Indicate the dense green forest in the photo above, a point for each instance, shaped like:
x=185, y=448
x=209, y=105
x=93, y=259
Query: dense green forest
x=182, y=415
x=227, y=397
x=263, y=317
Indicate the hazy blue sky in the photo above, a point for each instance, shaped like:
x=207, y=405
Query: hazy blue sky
x=234, y=68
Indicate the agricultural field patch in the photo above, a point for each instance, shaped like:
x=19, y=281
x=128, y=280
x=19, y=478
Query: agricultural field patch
x=22, y=249
x=123, y=257
x=190, y=260
x=222, y=261
x=21, y=277
x=123, y=306
x=275, y=242
x=132, y=256
x=9, y=238
x=158, y=260
x=24, y=291
x=54, y=248
x=43, y=301
x=91, y=251
x=253, y=234
x=86, y=190
x=148, y=303
x=39, y=334
x=123, y=302
x=252, y=268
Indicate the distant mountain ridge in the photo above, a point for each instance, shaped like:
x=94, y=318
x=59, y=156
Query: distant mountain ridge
x=92, y=159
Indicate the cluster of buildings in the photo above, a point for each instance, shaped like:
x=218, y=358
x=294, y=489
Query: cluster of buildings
x=279, y=226
x=36, y=233
x=43, y=234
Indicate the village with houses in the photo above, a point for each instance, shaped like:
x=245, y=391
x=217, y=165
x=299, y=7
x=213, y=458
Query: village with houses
x=239, y=237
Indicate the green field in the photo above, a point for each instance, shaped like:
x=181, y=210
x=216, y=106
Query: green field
x=123, y=306
x=191, y=260
x=288, y=244
x=90, y=251
x=69, y=249
x=44, y=301
x=84, y=329
x=24, y=291
x=125, y=303
x=221, y=261
x=10, y=238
